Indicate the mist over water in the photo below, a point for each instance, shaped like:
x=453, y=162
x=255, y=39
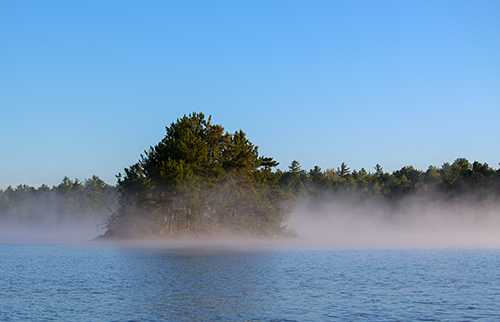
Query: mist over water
x=49, y=227
x=349, y=222
x=49, y=275
x=69, y=232
x=415, y=222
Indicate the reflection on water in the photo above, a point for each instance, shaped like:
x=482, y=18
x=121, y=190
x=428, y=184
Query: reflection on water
x=195, y=285
x=115, y=283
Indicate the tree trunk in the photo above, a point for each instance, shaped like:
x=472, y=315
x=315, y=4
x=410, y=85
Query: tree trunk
x=170, y=223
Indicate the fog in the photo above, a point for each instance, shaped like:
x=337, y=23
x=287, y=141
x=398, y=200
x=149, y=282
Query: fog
x=416, y=222
x=71, y=212
x=50, y=227
x=69, y=232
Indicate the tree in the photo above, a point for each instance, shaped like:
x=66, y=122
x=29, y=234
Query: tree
x=343, y=171
x=318, y=182
x=199, y=179
x=294, y=180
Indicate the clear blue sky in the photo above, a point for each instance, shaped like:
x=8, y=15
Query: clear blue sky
x=86, y=86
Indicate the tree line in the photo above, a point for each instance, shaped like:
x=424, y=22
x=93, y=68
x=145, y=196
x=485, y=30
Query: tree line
x=200, y=180
x=90, y=201
x=447, y=181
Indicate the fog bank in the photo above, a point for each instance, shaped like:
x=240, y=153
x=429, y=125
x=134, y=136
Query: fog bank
x=413, y=222
x=49, y=231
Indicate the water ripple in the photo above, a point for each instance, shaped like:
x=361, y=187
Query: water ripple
x=109, y=283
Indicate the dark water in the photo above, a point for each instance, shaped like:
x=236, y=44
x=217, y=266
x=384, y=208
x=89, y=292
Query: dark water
x=47, y=282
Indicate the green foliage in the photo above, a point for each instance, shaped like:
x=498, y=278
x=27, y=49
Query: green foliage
x=200, y=180
x=450, y=179
x=90, y=201
x=294, y=180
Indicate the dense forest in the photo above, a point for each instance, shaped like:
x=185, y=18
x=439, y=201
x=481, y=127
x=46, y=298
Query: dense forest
x=200, y=180
x=91, y=201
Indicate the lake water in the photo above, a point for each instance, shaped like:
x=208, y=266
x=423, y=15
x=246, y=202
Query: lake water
x=110, y=282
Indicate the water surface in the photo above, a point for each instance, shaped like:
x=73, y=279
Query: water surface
x=95, y=282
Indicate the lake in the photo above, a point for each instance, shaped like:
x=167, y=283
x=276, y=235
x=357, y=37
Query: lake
x=261, y=282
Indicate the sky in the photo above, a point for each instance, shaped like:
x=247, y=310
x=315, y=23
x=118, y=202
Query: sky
x=87, y=86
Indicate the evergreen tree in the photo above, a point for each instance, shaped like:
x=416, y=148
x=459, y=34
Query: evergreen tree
x=202, y=180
